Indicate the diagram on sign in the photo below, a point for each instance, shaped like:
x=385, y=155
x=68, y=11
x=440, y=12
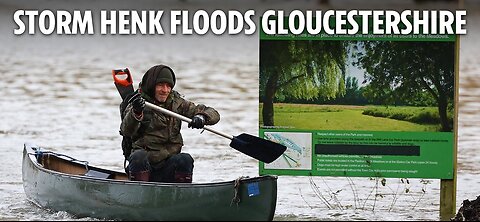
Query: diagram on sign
x=299, y=150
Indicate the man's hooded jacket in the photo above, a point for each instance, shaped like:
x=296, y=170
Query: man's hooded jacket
x=157, y=132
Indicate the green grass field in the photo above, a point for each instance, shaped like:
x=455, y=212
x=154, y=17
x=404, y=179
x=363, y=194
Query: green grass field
x=338, y=117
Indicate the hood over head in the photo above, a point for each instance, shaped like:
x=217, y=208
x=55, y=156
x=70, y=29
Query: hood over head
x=153, y=76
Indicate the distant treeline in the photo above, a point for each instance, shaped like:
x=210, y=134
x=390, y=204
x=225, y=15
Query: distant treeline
x=355, y=95
x=419, y=115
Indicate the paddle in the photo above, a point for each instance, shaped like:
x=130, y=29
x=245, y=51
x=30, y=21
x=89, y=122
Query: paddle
x=256, y=147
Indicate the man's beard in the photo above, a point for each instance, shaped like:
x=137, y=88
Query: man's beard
x=162, y=98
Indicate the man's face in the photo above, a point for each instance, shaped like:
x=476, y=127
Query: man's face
x=162, y=90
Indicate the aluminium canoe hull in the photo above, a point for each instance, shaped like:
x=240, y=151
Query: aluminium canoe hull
x=120, y=199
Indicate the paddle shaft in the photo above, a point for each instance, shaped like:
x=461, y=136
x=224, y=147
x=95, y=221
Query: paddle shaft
x=183, y=118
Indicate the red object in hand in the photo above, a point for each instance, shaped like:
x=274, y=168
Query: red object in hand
x=122, y=81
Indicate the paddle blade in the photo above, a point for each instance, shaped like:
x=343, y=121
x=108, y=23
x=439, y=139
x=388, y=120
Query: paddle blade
x=258, y=148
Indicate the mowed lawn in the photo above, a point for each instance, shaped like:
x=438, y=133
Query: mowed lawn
x=337, y=117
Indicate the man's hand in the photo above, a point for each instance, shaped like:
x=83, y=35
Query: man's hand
x=138, y=103
x=198, y=121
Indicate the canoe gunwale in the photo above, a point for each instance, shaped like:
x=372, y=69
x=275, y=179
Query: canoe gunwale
x=32, y=156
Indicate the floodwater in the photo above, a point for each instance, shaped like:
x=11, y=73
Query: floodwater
x=57, y=92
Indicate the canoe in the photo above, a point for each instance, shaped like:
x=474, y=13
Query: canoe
x=62, y=183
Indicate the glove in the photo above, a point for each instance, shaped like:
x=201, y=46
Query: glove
x=138, y=103
x=198, y=121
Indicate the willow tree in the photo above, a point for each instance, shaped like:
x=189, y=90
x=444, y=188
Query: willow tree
x=410, y=68
x=303, y=69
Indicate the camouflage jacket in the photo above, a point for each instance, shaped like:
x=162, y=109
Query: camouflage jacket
x=159, y=133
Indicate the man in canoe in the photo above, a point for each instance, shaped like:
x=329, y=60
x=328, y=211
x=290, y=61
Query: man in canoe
x=157, y=141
